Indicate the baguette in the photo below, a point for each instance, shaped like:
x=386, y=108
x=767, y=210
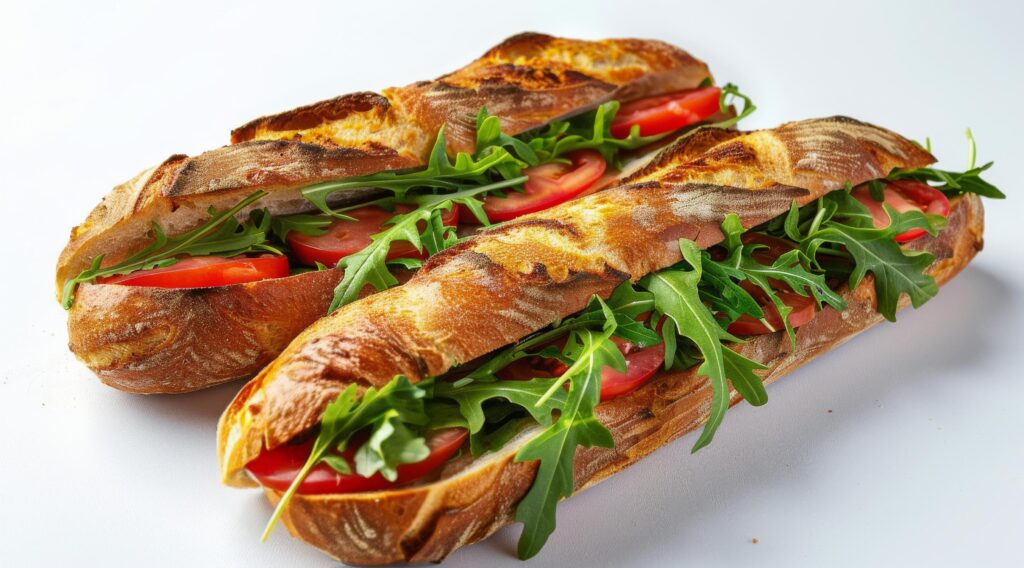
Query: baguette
x=149, y=340
x=471, y=501
x=529, y=272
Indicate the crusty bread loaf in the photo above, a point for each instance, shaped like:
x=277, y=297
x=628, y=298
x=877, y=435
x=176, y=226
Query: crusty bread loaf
x=514, y=279
x=472, y=499
x=137, y=342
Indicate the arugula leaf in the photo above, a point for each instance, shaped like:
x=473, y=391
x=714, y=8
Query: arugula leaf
x=526, y=394
x=725, y=295
x=369, y=266
x=788, y=267
x=391, y=444
x=489, y=134
x=718, y=287
x=675, y=295
x=592, y=131
x=440, y=173
x=349, y=414
x=954, y=183
x=312, y=225
x=222, y=235
x=896, y=270
x=731, y=91
x=555, y=447
x=626, y=303
x=740, y=372
x=438, y=236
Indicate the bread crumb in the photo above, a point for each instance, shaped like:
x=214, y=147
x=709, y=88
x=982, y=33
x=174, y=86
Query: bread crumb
x=754, y=540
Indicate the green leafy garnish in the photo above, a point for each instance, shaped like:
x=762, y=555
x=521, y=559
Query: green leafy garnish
x=724, y=294
x=312, y=225
x=592, y=131
x=954, y=183
x=555, y=447
x=842, y=226
x=388, y=411
x=740, y=372
x=222, y=235
x=440, y=173
x=676, y=296
x=472, y=396
x=369, y=266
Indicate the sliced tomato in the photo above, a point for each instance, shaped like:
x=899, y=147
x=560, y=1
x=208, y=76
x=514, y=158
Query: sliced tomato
x=641, y=364
x=205, y=272
x=904, y=195
x=547, y=186
x=657, y=115
x=344, y=238
x=278, y=468
x=804, y=310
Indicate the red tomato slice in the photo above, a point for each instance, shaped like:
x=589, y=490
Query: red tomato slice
x=657, y=115
x=205, y=272
x=277, y=468
x=349, y=237
x=904, y=195
x=641, y=364
x=804, y=310
x=547, y=186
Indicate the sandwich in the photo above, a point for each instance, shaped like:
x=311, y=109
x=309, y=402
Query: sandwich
x=542, y=355
x=202, y=269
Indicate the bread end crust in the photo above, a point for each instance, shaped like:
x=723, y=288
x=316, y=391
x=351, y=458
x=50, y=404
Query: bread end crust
x=162, y=340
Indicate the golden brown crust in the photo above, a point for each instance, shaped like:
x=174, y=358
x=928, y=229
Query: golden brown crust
x=528, y=80
x=183, y=340
x=470, y=502
x=524, y=274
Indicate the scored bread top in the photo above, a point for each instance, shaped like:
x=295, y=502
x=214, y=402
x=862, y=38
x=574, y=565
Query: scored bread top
x=528, y=80
x=511, y=280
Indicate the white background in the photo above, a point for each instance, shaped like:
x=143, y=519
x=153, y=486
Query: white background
x=919, y=463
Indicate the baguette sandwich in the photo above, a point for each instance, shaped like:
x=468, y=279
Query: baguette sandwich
x=202, y=269
x=542, y=355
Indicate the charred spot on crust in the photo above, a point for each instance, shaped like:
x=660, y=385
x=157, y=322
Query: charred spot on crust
x=459, y=251
x=641, y=186
x=311, y=116
x=645, y=414
x=733, y=152
x=612, y=273
x=539, y=270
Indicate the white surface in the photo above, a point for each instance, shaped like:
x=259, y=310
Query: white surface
x=920, y=462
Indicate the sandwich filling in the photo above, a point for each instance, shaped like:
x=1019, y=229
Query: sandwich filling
x=423, y=211
x=772, y=278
